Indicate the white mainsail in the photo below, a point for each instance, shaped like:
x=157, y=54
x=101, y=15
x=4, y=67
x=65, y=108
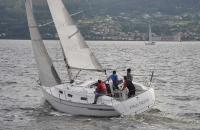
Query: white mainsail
x=150, y=34
x=47, y=73
x=76, y=51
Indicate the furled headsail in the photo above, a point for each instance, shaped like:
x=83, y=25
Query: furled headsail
x=76, y=51
x=47, y=73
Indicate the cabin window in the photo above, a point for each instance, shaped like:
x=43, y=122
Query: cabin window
x=84, y=98
x=69, y=95
x=61, y=92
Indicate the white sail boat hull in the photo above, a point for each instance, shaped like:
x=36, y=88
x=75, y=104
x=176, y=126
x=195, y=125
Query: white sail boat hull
x=75, y=108
x=79, y=109
x=105, y=107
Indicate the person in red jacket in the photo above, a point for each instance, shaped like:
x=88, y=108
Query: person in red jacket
x=100, y=90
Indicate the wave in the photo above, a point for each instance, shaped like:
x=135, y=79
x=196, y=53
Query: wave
x=191, y=115
x=154, y=110
x=8, y=83
x=186, y=98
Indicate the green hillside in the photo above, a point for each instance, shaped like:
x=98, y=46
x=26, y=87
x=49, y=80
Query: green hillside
x=127, y=17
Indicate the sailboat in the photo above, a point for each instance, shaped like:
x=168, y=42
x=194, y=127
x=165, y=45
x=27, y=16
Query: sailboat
x=150, y=42
x=72, y=97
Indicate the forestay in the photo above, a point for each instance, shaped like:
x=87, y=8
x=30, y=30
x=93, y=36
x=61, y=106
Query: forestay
x=76, y=51
x=47, y=73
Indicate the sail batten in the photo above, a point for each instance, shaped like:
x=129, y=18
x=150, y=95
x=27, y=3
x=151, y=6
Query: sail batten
x=47, y=73
x=76, y=51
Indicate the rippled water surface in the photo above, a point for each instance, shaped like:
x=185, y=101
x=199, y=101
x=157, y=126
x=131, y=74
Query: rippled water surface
x=176, y=81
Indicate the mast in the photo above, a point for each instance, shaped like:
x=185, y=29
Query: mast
x=67, y=66
x=47, y=73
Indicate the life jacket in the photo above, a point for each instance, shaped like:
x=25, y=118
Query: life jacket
x=129, y=85
x=102, y=88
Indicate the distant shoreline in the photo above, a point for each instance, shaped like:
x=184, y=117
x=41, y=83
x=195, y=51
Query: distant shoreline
x=96, y=40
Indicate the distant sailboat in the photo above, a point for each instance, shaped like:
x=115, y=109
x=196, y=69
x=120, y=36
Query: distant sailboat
x=150, y=42
x=179, y=37
x=74, y=98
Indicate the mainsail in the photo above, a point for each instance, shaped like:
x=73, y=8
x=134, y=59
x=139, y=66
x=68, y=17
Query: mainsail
x=47, y=73
x=76, y=51
x=150, y=33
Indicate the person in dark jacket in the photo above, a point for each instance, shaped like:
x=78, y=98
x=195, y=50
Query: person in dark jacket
x=129, y=75
x=131, y=88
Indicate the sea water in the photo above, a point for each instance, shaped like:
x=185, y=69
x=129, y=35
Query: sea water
x=176, y=80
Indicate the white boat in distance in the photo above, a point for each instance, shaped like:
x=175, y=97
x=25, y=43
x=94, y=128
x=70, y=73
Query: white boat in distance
x=74, y=98
x=150, y=42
